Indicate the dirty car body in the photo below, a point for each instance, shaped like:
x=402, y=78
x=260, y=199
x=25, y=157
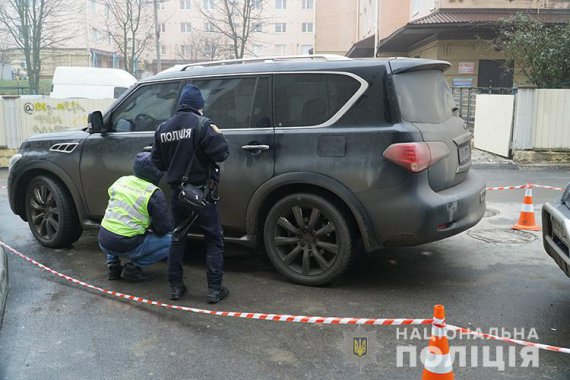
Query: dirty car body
x=325, y=155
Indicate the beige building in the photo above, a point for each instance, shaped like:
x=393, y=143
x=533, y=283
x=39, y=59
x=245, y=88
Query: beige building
x=458, y=31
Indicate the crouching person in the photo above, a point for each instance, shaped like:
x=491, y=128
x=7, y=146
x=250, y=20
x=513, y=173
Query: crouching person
x=136, y=224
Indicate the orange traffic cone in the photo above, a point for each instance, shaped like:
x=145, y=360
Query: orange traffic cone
x=438, y=364
x=526, y=218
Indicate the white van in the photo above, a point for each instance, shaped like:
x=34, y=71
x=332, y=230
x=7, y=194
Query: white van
x=90, y=82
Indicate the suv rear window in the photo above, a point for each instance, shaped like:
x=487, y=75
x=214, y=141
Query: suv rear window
x=310, y=99
x=424, y=96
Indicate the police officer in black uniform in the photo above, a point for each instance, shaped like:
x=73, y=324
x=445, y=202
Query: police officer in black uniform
x=172, y=151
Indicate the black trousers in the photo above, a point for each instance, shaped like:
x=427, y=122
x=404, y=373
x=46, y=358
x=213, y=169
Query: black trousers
x=209, y=222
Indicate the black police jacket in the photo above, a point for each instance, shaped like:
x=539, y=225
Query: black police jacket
x=174, y=142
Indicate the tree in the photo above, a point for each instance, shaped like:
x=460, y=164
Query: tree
x=540, y=51
x=130, y=26
x=202, y=46
x=236, y=20
x=35, y=25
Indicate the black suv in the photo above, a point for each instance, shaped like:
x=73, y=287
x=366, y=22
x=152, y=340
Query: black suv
x=325, y=153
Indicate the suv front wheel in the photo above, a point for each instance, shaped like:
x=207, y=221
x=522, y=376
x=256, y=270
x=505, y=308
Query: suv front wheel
x=307, y=239
x=51, y=213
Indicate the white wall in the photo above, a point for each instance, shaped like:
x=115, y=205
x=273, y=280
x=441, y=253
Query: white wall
x=542, y=119
x=23, y=117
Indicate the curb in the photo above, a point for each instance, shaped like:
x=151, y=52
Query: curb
x=3, y=283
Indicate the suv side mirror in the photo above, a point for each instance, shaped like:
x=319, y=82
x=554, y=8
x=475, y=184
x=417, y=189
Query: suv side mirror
x=95, y=122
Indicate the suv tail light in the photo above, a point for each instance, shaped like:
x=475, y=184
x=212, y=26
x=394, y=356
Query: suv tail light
x=417, y=156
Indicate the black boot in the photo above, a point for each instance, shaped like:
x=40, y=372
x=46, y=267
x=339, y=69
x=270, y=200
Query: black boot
x=216, y=295
x=114, y=271
x=134, y=274
x=177, y=291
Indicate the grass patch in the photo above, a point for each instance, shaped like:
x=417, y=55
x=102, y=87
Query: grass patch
x=20, y=87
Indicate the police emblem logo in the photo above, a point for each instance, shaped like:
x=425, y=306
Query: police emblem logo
x=215, y=128
x=360, y=346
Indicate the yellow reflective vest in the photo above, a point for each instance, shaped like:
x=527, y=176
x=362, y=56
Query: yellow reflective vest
x=127, y=212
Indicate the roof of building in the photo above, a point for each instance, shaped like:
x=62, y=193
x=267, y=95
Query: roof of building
x=362, y=48
x=485, y=15
x=471, y=23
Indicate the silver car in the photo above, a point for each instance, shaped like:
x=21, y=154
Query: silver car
x=556, y=231
x=3, y=283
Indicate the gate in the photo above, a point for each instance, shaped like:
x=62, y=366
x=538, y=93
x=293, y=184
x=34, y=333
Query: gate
x=465, y=99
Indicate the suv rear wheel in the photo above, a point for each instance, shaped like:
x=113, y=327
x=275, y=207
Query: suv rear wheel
x=307, y=239
x=51, y=213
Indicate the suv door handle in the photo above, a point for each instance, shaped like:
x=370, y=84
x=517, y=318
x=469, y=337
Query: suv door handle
x=255, y=149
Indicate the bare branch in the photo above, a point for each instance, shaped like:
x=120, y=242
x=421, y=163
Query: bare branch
x=236, y=21
x=34, y=25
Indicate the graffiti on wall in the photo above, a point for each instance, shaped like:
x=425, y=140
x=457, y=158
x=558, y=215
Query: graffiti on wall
x=23, y=117
x=55, y=117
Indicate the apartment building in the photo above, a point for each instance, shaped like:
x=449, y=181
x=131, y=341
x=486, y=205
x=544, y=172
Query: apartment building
x=285, y=27
x=458, y=31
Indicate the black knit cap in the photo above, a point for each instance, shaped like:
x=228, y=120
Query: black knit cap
x=192, y=97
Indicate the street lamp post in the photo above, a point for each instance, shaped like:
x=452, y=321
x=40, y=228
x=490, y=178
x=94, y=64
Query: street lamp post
x=157, y=36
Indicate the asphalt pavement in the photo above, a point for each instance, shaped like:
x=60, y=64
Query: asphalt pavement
x=488, y=277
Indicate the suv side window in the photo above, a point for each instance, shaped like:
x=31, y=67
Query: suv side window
x=238, y=102
x=312, y=98
x=146, y=107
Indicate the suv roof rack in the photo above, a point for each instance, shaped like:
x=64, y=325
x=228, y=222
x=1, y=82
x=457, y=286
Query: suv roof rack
x=320, y=57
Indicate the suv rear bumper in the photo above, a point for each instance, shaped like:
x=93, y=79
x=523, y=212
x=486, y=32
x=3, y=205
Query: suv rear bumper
x=553, y=244
x=416, y=214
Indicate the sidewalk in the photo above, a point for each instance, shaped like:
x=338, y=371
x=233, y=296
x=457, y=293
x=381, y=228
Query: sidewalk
x=480, y=158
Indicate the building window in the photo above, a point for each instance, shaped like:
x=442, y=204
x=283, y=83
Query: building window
x=162, y=49
x=257, y=4
x=209, y=27
x=257, y=28
x=160, y=4
x=280, y=4
x=280, y=27
x=306, y=49
x=308, y=27
x=95, y=34
x=308, y=4
x=257, y=50
x=185, y=27
x=415, y=7
x=208, y=4
x=186, y=51
x=163, y=27
x=185, y=4
x=280, y=49
x=94, y=6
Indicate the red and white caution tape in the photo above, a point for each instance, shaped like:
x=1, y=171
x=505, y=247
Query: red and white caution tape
x=286, y=317
x=527, y=186
x=508, y=187
x=509, y=340
x=236, y=314
x=547, y=187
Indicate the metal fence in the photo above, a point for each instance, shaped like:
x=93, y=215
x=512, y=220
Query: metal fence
x=465, y=99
